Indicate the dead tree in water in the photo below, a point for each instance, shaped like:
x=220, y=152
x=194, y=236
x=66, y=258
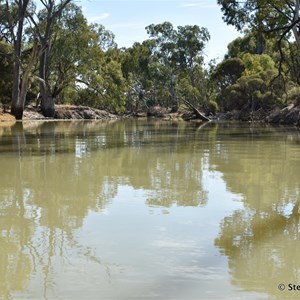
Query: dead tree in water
x=198, y=114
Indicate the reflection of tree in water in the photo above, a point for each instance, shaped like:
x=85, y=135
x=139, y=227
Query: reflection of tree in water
x=16, y=230
x=55, y=173
x=40, y=207
x=261, y=163
x=261, y=240
x=171, y=167
x=261, y=249
x=177, y=182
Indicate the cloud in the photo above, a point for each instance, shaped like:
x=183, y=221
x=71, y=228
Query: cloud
x=198, y=4
x=100, y=17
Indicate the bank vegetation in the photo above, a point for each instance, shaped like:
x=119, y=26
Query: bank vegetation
x=52, y=57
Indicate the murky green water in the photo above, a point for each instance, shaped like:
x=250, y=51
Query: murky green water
x=149, y=210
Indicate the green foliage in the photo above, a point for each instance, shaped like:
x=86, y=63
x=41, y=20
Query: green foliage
x=104, y=85
x=255, y=63
x=84, y=65
x=293, y=94
x=260, y=14
x=291, y=63
x=213, y=106
x=228, y=72
x=248, y=83
x=136, y=68
x=247, y=80
x=6, y=72
x=177, y=61
x=270, y=22
x=252, y=92
x=71, y=42
x=252, y=42
x=192, y=88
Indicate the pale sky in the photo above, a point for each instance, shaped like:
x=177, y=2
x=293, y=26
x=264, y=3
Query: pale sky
x=128, y=19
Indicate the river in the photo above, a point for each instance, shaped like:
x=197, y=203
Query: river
x=149, y=210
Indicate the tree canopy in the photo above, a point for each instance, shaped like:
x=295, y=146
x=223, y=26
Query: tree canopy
x=280, y=17
x=53, y=51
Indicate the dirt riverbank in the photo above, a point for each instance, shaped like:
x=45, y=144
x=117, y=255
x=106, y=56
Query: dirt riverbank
x=62, y=112
x=289, y=115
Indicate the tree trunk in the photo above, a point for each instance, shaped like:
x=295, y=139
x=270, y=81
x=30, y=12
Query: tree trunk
x=48, y=107
x=47, y=102
x=19, y=95
x=53, y=12
x=172, y=94
x=17, y=104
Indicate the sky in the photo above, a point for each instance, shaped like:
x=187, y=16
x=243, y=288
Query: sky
x=128, y=19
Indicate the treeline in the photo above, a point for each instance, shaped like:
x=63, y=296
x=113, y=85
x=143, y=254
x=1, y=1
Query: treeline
x=55, y=53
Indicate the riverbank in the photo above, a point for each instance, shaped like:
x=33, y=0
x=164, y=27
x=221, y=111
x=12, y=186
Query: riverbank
x=289, y=115
x=62, y=112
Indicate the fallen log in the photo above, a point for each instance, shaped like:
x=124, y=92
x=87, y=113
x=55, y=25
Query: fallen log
x=198, y=114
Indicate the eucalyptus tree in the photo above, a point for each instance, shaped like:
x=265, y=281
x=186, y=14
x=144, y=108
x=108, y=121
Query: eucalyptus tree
x=136, y=65
x=177, y=51
x=104, y=86
x=44, y=23
x=99, y=80
x=30, y=34
x=105, y=37
x=244, y=44
x=247, y=83
x=70, y=43
x=191, y=43
x=14, y=13
x=165, y=54
x=277, y=16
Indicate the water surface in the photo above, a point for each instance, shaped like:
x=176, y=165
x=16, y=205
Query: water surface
x=148, y=210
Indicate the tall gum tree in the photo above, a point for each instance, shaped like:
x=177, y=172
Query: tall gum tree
x=44, y=23
x=69, y=44
x=15, y=19
x=178, y=50
x=165, y=37
x=19, y=15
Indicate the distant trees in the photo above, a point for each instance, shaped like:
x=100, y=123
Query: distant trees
x=55, y=51
x=177, y=54
x=170, y=60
